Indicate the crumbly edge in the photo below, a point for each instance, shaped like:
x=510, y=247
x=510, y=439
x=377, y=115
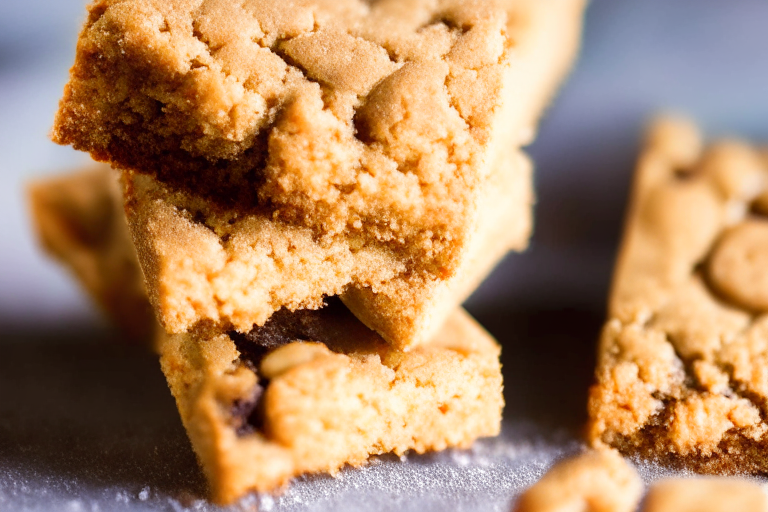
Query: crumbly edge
x=662, y=410
x=735, y=454
x=204, y=376
x=410, y=309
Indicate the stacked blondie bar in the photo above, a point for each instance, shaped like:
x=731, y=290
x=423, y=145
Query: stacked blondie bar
x=312, y=188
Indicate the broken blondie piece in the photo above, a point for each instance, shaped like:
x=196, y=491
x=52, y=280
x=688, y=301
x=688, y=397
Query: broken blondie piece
x=594, y=481
x=681, y=374
x=79, y=220
x=372, y=128
x=706, y=495
x=314, y=390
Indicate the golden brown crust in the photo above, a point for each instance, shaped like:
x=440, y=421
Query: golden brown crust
x=79, y=221
x=322, y=410
x=678, y=374
x=380, y=121
x=594, y=481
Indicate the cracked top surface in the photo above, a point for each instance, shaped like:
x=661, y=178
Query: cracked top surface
x=686, y=346
x=334, y=114
x=229, y=70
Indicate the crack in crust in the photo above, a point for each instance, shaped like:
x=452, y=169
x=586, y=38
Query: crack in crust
x=680, y=374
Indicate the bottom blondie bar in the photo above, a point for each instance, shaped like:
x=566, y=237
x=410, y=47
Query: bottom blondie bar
x=314, y=390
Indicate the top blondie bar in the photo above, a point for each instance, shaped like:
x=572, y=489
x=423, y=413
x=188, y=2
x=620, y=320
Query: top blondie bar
x=380, y=122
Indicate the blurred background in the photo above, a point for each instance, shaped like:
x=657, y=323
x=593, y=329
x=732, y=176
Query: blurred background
x=65, y=396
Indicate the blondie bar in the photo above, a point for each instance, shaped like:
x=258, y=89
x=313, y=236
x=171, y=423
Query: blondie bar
x=371, y=126
x=681, y=374
x=79, y=220
x=314, y=390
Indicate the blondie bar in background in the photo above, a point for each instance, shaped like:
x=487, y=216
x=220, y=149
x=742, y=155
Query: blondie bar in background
x=681, y=374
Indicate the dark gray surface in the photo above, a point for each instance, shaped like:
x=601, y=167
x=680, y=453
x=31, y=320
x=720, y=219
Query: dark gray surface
x=86, y=424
